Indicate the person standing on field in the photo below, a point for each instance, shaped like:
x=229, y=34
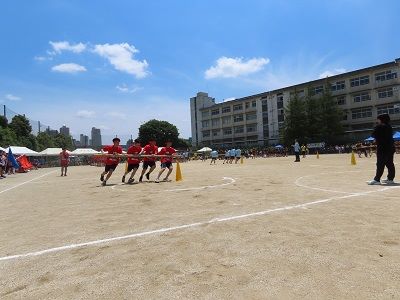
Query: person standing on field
x=297, y=150
x=385, y=149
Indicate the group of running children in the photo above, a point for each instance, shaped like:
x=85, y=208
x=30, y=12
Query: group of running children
x=149, y=154
x=232, y=155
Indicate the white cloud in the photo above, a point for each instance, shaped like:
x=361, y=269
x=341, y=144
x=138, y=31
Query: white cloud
x=85, y=114
x=117, y=115
x=12, y=97
x=332, y=73
x=121, y=57
x=103, y=127
x=227, y=67
x=69, y=68
x=123, y=88
x=58, y=47
x=42, y=58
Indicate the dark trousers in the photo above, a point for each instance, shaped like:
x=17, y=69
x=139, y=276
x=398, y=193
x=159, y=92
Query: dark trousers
x=297, y=156
x=384, y=159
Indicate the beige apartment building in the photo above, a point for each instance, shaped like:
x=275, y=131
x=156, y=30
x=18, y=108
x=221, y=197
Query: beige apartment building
x=258, y=119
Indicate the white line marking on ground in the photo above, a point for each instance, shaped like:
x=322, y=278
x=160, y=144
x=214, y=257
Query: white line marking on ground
x=231, y=180
x=185, y=189
x=175, y=228
x=25, y=182
x=297, y=182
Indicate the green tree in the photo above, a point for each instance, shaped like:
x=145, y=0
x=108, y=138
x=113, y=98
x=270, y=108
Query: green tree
x=21, y=126
x=62, y=141
x=7, y=137
x=44, y=141
x=3, y=121
x=295, y=120
x=332, y=116
x=314, y=120
x=161, y=131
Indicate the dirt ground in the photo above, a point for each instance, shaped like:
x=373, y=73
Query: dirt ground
x=265, y=229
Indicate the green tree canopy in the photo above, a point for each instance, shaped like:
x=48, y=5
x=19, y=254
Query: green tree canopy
x=161, y=131
x=7, y=137
x=21, y=126
x=44, y=141
x=3, y=121
x=62, y=141
x=295, y=120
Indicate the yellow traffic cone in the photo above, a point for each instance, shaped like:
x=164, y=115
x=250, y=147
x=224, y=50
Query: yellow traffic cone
x=241, y=160
x=178, y=176
x=353, y=159
x=317, y=155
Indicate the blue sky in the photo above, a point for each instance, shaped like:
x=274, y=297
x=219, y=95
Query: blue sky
x=116, y=64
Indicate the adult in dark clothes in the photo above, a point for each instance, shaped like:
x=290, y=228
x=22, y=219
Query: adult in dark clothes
x=383, y=134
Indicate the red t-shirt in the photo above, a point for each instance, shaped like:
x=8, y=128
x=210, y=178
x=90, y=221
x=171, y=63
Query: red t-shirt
x=149, y=150
x=134, y=150
x=64, y=156
x=112, y=150
x=166, y=151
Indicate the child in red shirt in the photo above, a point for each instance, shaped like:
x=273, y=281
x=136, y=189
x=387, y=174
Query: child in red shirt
x=166, y=162
x=111, y=162
x=133, y=162
x=64, y=161
x=149, y=149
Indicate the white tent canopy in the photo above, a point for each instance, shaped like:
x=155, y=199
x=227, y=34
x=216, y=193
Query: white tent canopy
x=2, y=149
x=205, y=149
x=22, y=150
x=84, y=151
x=52, y=152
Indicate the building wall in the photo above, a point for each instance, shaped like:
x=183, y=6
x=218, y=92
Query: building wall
x=360, y=99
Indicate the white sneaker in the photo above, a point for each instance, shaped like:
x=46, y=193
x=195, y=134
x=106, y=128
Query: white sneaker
x=373, y=182
x=387, y=181
x=157, y=180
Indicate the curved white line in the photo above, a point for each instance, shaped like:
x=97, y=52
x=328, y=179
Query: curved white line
x=231, y=181
x=185, y=226
x=297, y=183
x=205, y=187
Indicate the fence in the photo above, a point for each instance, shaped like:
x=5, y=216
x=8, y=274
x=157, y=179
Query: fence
x=37, y=126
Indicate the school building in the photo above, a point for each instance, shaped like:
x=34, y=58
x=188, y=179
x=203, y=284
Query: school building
x=259, y=119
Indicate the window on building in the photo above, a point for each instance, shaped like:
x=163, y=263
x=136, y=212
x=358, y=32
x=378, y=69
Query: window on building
x=251, y=116
x=265, y=117
x=215, y=112
x=216, y=132
x=226, y=120
x=253, y=104
x=316, y=90
x=206, y=133
x=360, y=113
x=247, y=105
x=338, y=85
x=359, y=81
x=251, y=128
x=237, y=107
x=239, y=129
x=238, y=118
x=391, y=109
x=215, y=122
x=264, y=105
x=226, y=109
x=205, y=123
x=341, y=100
x=344, y=117
x=227, y=131
x=385, y=93
x=365, y=96
x=386, y=75
x=205, y=114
